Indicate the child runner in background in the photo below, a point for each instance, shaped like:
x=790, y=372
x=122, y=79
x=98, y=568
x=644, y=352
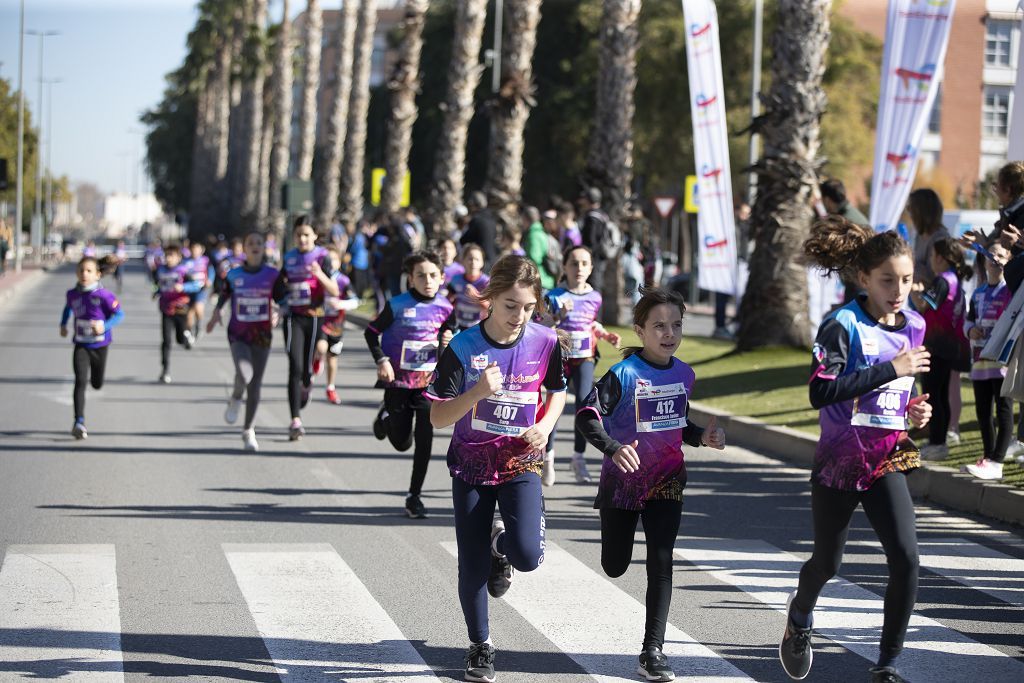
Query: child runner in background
x=637, y=417
x=943, y=307
x=464, y=288
x=250, y=288
x=96, y=311
x=121, y=256
x=488, y=384
x=329, y=338
x=404, y=342
x=865, y=357
x=449, y=254
x=200, y=272
x=173, y=290
x=153, y=256
x=230, y=260
x=302, y=284
x=987, y=303
x=576, y=308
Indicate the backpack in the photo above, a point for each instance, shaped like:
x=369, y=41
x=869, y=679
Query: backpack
x=553, y=258
x=610, y=240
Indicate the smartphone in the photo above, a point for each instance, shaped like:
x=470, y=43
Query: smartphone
x=983, y=251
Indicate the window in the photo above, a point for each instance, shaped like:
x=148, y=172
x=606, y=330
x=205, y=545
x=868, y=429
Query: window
x=995, y=112
x=935, y=118
x=998, y=39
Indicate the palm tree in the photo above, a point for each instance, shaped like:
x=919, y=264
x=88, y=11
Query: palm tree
x=310, y=86
x=463, y=76
x=359, y=104
x=610, y=157
x=404, y=85
x=246, y=168
x=281, y=150
x=327, y=173
x=774, y=312
x=266, y=141
x=510, y=108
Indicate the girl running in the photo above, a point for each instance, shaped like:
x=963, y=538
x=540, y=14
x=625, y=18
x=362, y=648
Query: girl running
x=249, y=287
x=464, y=288
x=96, y=312
x=865, y=357
x=329, y=338
x=449, y=255
x=173, y=290
x=302, y=284
x=576, y=308
x=488, y=384
x=404, y=342
x=637, y=417
x=202, y=274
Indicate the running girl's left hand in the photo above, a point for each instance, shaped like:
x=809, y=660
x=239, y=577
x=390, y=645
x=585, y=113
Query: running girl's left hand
x=713, y=436
x=613, y=339
x=919, y=410
x=385, y=373
x=534, y=438
x=214, y=319
x=446, y=337
x=63, y=331
x=315, y=270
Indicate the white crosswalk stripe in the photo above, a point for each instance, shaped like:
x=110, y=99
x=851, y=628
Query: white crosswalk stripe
x=58, y=603
x=846, y=613
x=976, y=566
x=559, y=599
x=317, y=619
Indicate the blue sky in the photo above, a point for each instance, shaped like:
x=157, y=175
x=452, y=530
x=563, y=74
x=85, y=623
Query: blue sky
x=112, y=56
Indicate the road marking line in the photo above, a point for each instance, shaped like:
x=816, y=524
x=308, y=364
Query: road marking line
x=59, y=612
x=317, y=619
x=559, y=599
x=976, y=566
x=847, y=614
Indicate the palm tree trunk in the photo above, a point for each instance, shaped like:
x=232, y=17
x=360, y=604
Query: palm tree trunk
x=404, y=85
x=355, y=140
x=281, y=151
x=310, y=86
x=327, y=173
x=774, y=309
x=510, y=109
x=610, y=158
x=463, y=76
x=266, y=147
x=245, y=174
x=236, y=123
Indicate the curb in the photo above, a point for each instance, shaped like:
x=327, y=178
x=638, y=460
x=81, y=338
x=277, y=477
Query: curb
x=937, y=483
x=7, y=293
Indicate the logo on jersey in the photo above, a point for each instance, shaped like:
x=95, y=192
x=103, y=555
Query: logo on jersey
x=478, y=362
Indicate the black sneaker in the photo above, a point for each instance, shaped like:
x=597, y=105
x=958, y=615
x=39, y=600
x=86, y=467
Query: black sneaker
x=414, y=508
x=380, y=430
x=500, y=579
x=885, y=674
x=480, y=663
x=654, y=665
x=795, y=651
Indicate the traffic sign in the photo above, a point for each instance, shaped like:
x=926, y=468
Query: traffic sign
x=664, y=205
x=691, y=201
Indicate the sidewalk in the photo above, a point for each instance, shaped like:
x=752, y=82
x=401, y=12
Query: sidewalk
x=11, y=282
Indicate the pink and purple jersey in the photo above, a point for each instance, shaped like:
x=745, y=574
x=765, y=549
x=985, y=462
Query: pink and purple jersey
x=987, y=303
x=199, y=270
x=334, y=312
x=305, y=293
x=171, y=301
x=251, y=299
x=411, y=340
x=944, y=317
x=578, y=321
x=451, y=270
x=485, y=448
x=637, y=401
x=89, y=306
x=467, y=308
x=863, y=438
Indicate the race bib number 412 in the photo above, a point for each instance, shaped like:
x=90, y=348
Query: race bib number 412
x=660, y=407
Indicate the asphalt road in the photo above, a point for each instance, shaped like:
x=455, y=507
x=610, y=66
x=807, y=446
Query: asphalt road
x=158, y=549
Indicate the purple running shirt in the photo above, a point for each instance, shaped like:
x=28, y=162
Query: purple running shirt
x=88, y=307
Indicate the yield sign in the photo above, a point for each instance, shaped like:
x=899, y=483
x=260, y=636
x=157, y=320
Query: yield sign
x=664, y=205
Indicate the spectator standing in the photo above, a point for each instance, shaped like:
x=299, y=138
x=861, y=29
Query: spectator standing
x=925, y=209
x=359, y=255
x=592, y=229
x=537, y=246
x=482, y=228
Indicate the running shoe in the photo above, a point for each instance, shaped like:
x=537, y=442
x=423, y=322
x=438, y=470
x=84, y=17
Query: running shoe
x=295, y=430
x=984, y=469
x=231, y=413
x=249, y=440
x=318, y=365
x=332, y=396
x=934, y=452
x=380, y=430
x=952, y=438
x=414, y=508
x=885, y=674
x=795, y=650
x=480, y=663
x=1015, y=448
x=547, y=475
x=165, y=378
x=579, y=469
x=190, y=339
x=500, y=578
x=654, y=665
x=306, y=391
x=78, y=430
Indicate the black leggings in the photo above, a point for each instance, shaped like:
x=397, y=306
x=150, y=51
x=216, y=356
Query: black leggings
x=171, y=326
x=936, y=383
x=300, y=342
x=661, y=526
x=996, y=440
x=890, y=511
x=90, y=366
x=403, y=405
x=581, y=377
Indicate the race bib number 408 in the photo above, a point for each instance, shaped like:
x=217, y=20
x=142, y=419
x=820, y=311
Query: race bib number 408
x=660, y=407
x=509, y=413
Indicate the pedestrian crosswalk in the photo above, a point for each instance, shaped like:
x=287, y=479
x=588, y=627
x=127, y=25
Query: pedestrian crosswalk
x=318, y=620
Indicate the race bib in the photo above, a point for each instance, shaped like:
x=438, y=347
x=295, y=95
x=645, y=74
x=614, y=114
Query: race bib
x=508, y=412
x=168, y=282
x=420, y=356
x=467, y=314
x=252, y=309
x=660, y=407
x=299, y=294
x=582, y=345
x=84, y=333
x=885, y=407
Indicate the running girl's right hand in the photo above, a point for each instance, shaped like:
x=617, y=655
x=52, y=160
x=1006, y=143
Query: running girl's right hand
x=626, y=458
x=489, y=382
x=386, y=373
x=214, y=319
x=63, y=331
x=912, y=361
x=179, y=287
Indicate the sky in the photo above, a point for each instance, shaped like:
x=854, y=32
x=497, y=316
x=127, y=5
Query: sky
x=112, y=56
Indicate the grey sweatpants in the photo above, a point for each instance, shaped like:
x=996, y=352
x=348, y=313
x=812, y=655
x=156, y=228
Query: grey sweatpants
x=250, y=362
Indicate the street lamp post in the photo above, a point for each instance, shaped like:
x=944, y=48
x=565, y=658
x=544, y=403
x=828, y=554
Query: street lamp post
x=20, y=192
x=37, y=216
x=755, y=98
x=48, y=223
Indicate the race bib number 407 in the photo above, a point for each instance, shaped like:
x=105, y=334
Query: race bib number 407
x=660, y=407
x=509, y=413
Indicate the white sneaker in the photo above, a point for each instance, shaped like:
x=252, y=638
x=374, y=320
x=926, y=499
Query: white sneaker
x=547, y=475
x=952, y=438
x=231, y=413
x=934, y=452
x=190, y=339
x=249, y=439
x=985, y=469
x=1015, y=449
x=579, y=469
x=165, y=378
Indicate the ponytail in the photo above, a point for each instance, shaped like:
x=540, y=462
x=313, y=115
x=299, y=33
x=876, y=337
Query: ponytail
x=838, y=245
x=951, y=251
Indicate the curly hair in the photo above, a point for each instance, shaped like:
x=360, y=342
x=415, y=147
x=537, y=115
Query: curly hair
x=841, y=246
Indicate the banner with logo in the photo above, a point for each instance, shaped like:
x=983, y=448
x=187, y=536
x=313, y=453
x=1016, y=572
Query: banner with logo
x=916, y=36
x=1016, y=130
x=716, y=226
